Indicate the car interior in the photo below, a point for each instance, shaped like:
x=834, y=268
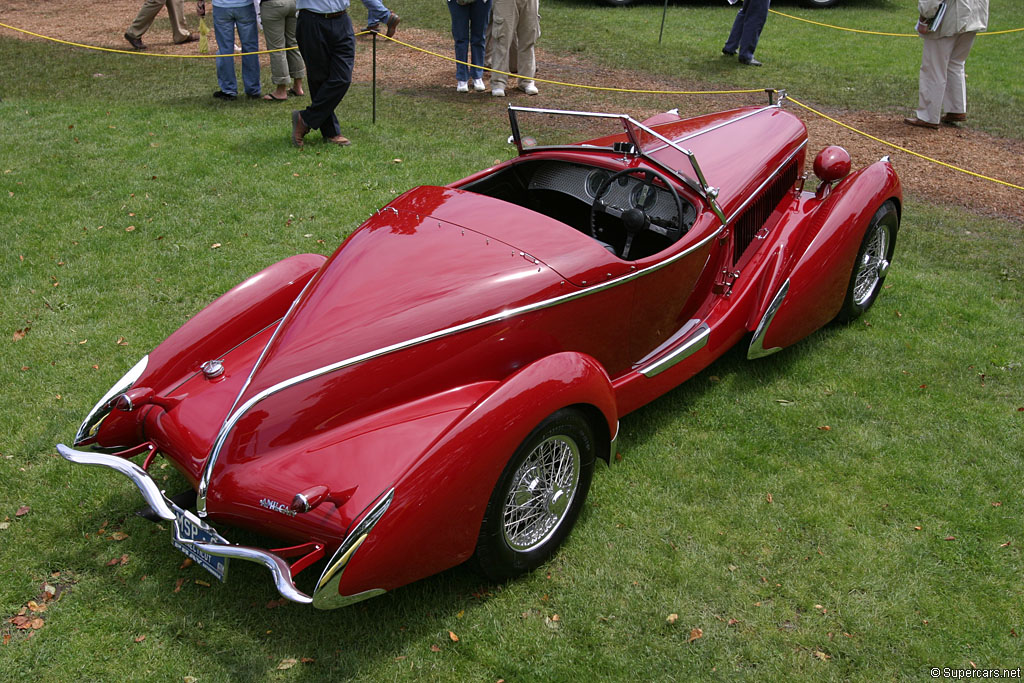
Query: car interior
x=632, y=213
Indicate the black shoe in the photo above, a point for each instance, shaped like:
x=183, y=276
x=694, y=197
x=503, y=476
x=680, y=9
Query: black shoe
x=251, y=96
x=727, y=53
x=750, y=62
x=135, y=42
x=221, y=95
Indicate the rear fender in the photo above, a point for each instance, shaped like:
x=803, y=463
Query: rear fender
x=812, y=292
x=434, y=519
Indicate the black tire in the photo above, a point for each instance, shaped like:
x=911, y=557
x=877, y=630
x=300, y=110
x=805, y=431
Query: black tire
x=618, y=3
x=820, y=4
x=531, y=512
x=872, y=262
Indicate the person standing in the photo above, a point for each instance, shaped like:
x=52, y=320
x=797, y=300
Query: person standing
x=328, y=47
x=286, y=68
x=147, y=13
x=229, y=15
x=469, y=30
x=941, y=82
x=517, y=20
x=746, y=30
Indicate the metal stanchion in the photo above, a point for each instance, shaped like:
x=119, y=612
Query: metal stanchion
x=375, y=77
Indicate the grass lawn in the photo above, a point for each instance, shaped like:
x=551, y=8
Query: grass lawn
x=847, y=509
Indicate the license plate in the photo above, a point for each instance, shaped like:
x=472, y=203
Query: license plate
x=191, y=528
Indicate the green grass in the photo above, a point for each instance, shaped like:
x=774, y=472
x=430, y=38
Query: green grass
x=922, y=399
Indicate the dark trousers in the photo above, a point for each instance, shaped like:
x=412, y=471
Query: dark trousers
x=328, y=46
x=746, y=29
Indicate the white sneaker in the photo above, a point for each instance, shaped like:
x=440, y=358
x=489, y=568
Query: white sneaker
x=478, y=85
x=529, y=87
x=462, y=86
x=498, y=92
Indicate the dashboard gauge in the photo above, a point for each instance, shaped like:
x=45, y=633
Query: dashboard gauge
x=643, y=196
x=595, y=180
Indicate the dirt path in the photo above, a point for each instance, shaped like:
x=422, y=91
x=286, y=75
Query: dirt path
x=403, y=70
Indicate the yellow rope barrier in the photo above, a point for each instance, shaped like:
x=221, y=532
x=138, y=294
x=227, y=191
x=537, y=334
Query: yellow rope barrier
x=902, y=149
x=587, y=87
x=880, y=33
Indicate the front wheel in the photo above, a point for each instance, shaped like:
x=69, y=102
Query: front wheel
x=872, y=264
x=538, y=496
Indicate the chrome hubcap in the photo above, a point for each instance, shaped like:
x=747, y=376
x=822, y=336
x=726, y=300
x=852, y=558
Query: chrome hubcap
x=872, y=266
x=542, y=490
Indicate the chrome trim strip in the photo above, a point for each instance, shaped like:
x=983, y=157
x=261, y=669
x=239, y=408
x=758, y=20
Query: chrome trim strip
x=278, y=567
x=614, y=442
x=204, y=482
x=101, y=409
x=756, y=349
x=150, y=491
x=326, y=595
x=694, y=342
x=756, y=193
x=233, y=419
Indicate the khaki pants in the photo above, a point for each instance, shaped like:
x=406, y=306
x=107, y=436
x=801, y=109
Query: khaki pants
x=942, y=84
x=148, y=12
x=519, y=21
x=279, y=32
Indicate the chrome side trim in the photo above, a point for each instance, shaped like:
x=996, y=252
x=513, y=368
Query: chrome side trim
x=756, y=349
x=326, y=595
x=102, y=409
x=693, y=343
x=233, y=419
x=150, y=491
x=757, y=193
x=278, y=567
x=614, y=442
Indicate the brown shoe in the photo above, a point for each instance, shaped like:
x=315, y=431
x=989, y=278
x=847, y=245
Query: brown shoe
x=339, y=140
x=135, y=42
x=914, y=121
x=393, y=24
x=299, y=128
x=192, y=37
x=952, y=119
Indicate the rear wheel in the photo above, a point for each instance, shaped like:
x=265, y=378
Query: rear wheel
x=538, y=496
x=872, y=264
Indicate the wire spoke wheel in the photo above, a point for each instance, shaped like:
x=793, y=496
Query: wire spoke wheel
x=544, y=487
x=872, y=265
x=872, y=262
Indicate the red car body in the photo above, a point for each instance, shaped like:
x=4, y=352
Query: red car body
x=363, y=408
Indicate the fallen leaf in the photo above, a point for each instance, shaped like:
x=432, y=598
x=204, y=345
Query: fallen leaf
x=454, y=638
x=118, y=536
x=121, y=341
x=277, y=603
x=307, y=660
x=435, y=648
x=733, y=622
x=22, y=511
x=396, y=161
x=178, y=584
x=768, y=498
x=189, y=679
x=825, y=428
x=20, y=334
x=917, y=528
x=139, y=639
x=37, y=624
x=949, y=538
x=287, y=664
x=215, y=245
x=186, y=563
x=822, y=656
x=1005, y=545
x=695, y=634
x=200, y=582
x=672, y=618
x=130, y=228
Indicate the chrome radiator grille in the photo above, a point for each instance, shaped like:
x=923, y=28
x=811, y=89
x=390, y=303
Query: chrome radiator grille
x=756, y=214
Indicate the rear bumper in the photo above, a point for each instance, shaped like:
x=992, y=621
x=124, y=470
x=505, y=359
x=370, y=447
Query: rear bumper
x=325, y=596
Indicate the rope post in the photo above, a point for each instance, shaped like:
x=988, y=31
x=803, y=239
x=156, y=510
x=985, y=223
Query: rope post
x=374, y=77
x=664, y=11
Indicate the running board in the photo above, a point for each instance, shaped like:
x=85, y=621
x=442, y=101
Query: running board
x=691, y=339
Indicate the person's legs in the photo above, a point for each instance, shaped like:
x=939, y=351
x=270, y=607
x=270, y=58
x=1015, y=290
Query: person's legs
x=144, y=19
x=224, y=32
x=328, y=49
x=756, y=14
x=275, y=14
x=732, y=43
x=954, y=101
x=249, y=37
x=527, y=32
x=376, y=13
x=932, y=78
x=479, y=14
x=460, y=34
x=179, y=29
x=296, y=67
x=504, y=18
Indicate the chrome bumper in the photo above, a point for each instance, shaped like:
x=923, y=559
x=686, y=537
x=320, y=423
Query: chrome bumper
x=325, y=596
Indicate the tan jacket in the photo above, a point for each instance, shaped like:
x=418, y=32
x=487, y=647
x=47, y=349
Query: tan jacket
x=962, y=16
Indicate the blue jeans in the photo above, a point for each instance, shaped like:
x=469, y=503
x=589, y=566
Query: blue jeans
x=469, y=29
x=225, y=20
x=746, y=29
x=376, y=12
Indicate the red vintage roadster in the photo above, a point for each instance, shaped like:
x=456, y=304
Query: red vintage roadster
x=440, y=388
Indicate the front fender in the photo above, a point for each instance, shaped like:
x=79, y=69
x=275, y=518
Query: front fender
x=812, y=292
x=434, y=519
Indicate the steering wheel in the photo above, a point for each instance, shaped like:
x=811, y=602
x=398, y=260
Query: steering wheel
x=636, y=219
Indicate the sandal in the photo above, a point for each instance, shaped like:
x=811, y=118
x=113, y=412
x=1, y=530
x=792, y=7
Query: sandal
x=291, y=91
x=271, y=98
